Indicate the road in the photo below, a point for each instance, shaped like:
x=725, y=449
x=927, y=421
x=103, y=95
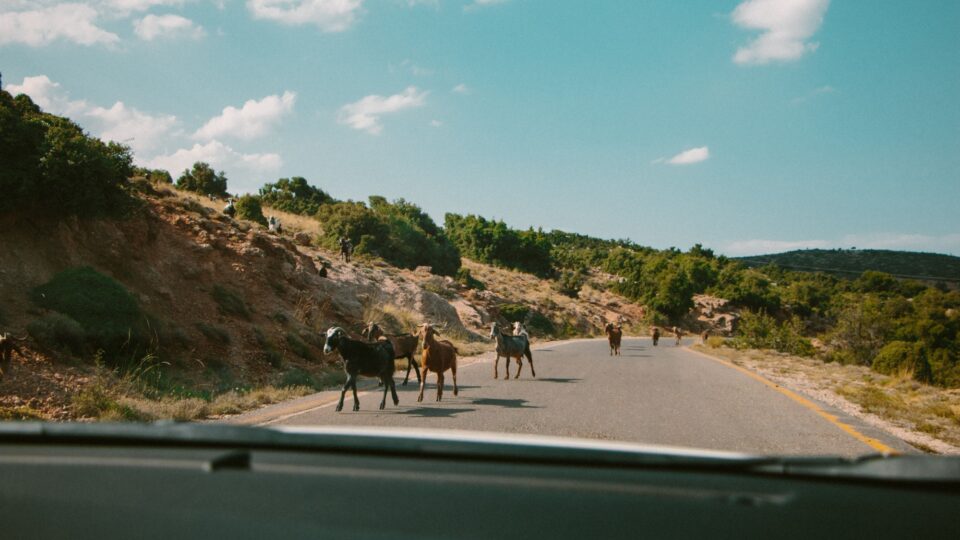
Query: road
x=664, y=395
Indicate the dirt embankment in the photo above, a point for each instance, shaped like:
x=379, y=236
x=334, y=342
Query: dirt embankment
x=233, y=307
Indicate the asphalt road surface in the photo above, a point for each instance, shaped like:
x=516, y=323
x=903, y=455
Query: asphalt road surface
x=664, y=395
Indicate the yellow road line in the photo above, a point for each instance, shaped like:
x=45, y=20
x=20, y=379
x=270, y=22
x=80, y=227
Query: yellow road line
x=832, y=418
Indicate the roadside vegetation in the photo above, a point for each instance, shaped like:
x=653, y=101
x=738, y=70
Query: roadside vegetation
x=924, y=415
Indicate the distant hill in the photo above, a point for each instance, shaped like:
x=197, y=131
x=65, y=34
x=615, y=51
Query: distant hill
x=853, y=262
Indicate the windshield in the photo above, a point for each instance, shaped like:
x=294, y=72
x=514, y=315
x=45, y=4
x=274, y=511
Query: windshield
x=721, y=226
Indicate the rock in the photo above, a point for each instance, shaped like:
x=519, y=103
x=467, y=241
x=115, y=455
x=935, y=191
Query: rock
x=302, y=238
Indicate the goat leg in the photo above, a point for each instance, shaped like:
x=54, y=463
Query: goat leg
x=423, y=382
x=496, y=367
x=453, y=370
x=356, y=400
x=386, y=388
x=343, y=392
x=393, y=392
x=439, y=385
x=519, y=367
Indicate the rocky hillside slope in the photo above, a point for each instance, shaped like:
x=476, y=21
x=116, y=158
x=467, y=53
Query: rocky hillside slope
x=232, y=307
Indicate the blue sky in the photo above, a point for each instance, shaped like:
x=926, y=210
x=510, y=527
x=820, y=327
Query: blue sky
x=750, y=127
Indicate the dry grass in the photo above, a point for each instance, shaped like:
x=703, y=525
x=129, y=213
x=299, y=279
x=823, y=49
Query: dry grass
x=922, y=415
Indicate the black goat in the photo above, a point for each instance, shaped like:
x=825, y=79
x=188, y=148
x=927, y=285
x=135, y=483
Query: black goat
x=404, y=346
x=360, y=358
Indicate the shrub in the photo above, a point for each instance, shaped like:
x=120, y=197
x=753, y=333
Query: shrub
x=298, y=346
x=715, y=342
x=214, y=333
x=248, y=207
x=294, y=195
x=59, y=332
x=230, y=303
x=399, y=233
x=465, y=278
x=514, y=312
x=761, y=331
x=51, y=167
x=203, y=180
x=110, y=317
x=897, y=356
x=570, y=283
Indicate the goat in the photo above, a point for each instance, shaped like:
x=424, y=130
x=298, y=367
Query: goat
x=656, y=335
x=519, y=329
x=679, y=333
x=511, y=346
x=614, y=334
x=8, y=346
x=438, y=356
x=704, y=336
x=230, y=210
x=360, y=358
x=404, y=346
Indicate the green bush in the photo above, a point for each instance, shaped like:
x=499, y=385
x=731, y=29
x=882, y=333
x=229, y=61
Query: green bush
x=294, y=195
x=399, y=233
x=203, y=180
x=514, y=312
x=214, y=333
x=50, y=167
x=230, y=303
x=492, y=242
x=110, y=317
x=761, y=331
x=465, y=278
x=59, y=332
x=570, y=282
x=248, y=207
x=298, y=346
x=897, y=356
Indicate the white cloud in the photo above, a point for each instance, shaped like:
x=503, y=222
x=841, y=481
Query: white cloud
x=785, y=27
x=126, y=125
x=436, y=123
x=244, y=171
x=461, y=89
x=476, y=4
x=328, y=15
x=693, y=155
x=125, y=7
x=119, y=123
x=253, y=120
x=167, y=26
x=365, y=114
x=816, y=92
x=948, y=243
x=43, y=25
x=48, y=95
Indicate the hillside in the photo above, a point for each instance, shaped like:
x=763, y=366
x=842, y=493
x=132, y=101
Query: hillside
x=234, y=315
x=853, y=262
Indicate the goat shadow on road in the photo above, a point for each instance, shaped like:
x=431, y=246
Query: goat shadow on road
x=559, y=380
x=506, y=403
x=435, y=412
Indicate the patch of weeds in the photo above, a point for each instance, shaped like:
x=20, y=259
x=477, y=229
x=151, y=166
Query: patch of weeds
x=278, y=288
x=214, y=333
x=269, y=351
x=298, y=346
x=465, y=278
x=874, y=400
x=280, y=317
x=715, y=342
x=20, y=413
x=230, y=303
x=931, y=429
x=297, y=377
x=438, y=286
x=98, y=401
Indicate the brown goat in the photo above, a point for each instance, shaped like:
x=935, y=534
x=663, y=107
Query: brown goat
x=614, y=334
x=404, y=346
x=7, y=348
x=438, y=356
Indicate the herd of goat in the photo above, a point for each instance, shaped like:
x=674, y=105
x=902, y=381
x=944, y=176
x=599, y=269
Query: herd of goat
x=373, y=356
x=374, y=353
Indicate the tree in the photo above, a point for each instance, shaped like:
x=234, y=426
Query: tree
x=294, y=195
x=248, y=207
x=203, y=180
